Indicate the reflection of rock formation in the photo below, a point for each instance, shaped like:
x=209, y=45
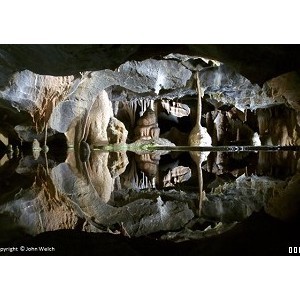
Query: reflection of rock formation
x=99, y=171
x=98, y=175
x=76, y=194
x=147, y=126
x=177, y=175
x=148, y=163
x=41, y=208
x=199, y=158
x=285, y=203
x=236, y=164
x=141, y=217
x=237, y=200
x=117, y=163
x=279, y=164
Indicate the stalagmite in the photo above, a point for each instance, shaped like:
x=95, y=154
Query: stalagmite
x=199, y=137
x=256, y=140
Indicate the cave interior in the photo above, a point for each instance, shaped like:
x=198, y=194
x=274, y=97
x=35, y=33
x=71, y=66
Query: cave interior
x=102, y=148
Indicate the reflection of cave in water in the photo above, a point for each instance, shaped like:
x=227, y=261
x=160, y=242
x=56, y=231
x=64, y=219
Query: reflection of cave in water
x=150, y=193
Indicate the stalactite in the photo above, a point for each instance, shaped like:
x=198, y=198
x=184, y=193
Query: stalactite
x=115, y=107
x=144, y=104
x=130, y=107
x=152, y=106
x=221, y=126
x=278, y=126
x=175, y=108
x=209, y=123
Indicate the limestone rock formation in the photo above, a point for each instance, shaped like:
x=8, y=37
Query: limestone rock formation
x=116, y=131
x=285, y=87
x=97, y=119
x=176, y=136
x=278, y=126
x=41, y=208
x=175, y=108
x=147, y=126
x=199, y=135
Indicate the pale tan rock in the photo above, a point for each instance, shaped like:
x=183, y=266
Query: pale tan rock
x=286, y=86
x=147, y=126
x=116, y=131
x=98, y=119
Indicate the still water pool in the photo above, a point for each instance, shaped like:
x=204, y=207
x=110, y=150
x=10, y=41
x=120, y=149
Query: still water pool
x=165, y=196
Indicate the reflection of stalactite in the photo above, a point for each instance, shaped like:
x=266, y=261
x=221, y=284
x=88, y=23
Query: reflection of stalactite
x=131, y=179
x=135, y=179
x=279, y=164
x=177, y=175
x=146, y=182
x=224, y=163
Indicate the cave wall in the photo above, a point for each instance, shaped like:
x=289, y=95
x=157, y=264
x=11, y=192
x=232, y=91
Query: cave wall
x=56, y=101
